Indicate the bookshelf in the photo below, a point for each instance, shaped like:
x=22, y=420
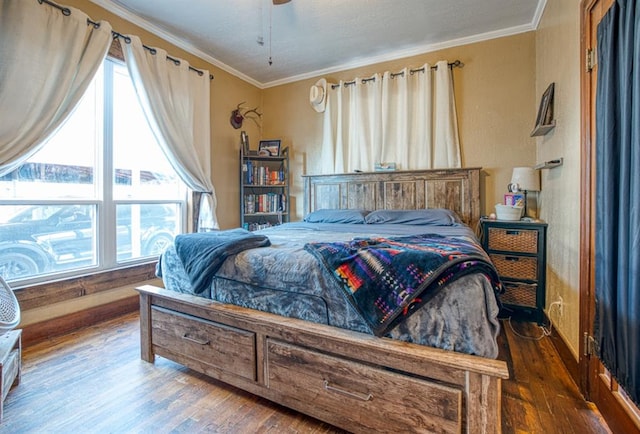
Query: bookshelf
x=264, y=190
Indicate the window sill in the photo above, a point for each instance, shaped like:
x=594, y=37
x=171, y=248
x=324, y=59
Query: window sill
x=48, y=293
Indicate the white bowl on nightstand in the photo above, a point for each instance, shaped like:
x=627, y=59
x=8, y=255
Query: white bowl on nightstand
x=508, y=212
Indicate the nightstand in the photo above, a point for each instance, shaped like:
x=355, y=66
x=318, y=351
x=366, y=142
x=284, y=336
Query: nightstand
x=10, y=363
x=518, y=250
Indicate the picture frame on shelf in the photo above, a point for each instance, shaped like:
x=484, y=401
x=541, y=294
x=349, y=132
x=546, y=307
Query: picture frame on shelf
x=244, y=141
x=270, y=146
x=544, y=120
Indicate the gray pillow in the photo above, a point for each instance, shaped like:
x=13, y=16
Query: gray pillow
x=432, y=216
x=336, y=216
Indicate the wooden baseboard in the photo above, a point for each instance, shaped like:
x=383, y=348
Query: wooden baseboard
x=565, y=354
x=41, y=331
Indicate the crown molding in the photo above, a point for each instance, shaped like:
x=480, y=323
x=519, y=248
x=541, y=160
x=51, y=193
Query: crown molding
x=399, y=54
x=180, y=43
x=537, y=16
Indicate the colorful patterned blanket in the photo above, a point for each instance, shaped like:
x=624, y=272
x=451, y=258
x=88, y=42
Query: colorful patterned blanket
x=387, y=279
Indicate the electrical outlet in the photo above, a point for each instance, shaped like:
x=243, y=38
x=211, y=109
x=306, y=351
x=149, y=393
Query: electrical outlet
x=560, y=306
x=556, y=310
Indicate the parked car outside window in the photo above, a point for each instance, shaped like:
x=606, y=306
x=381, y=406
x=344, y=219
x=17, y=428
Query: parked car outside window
x=42, y=239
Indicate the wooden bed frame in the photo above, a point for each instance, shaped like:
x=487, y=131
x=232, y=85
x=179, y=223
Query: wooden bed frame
x=352, y=380
x=454, y=189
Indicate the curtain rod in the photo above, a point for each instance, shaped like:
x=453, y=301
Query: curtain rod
x=66, y=12
x=451, y=65
x=152, y=50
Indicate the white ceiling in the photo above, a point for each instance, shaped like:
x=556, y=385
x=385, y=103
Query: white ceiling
x=307, y=38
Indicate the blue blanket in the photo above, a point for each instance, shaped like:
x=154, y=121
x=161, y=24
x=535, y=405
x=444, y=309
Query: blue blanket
x=202, y=254
x=387, y=279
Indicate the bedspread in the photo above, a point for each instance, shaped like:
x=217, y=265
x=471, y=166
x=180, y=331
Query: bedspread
x=286, y=279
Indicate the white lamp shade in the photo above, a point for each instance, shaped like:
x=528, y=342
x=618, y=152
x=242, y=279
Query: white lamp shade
x=527, y=178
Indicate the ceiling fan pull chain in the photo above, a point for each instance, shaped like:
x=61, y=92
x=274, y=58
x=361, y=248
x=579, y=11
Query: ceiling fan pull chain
x=270, y=32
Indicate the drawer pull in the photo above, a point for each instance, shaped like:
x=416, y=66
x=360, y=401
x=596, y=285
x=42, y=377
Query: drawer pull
x=512, y=232
x=194, y=340
x=511, y=258
x=357, y=395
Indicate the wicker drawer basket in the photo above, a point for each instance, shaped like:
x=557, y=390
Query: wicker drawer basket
x=518, y=293
x=513, y=240
x=516, y=267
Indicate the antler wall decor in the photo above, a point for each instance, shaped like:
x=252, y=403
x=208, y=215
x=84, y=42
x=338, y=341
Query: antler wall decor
x=238, y=116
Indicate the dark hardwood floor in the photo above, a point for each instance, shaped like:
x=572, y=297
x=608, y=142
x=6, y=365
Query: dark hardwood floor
x=93, y=381
x=540, y=396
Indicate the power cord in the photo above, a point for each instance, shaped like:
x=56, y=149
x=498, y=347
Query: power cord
x=543, y=329
x=479, y=229
x=556, y=305
x=546, y=330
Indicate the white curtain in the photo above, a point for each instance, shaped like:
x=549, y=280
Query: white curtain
x=446, y=142
x=47, y=61
x=407, y=118
x=176, y=103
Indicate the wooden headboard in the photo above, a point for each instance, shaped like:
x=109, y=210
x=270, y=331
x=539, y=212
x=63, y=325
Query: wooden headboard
x=454, y=189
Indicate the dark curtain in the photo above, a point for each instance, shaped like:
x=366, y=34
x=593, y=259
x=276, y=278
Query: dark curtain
x=617, y=324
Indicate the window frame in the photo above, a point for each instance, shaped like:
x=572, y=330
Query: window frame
x=105, y=204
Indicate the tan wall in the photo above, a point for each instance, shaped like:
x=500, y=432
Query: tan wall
x=227, y=92
x=558, y=60
x=495, y=95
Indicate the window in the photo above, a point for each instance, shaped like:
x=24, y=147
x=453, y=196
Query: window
x=99, y=195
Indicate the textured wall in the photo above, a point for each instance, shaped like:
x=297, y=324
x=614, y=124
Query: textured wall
x=558, y=60
x=495, y=94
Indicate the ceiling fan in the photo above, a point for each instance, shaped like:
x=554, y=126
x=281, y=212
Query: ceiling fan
x=280, y=2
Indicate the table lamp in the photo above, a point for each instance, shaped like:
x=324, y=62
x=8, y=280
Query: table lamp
x=525, y=179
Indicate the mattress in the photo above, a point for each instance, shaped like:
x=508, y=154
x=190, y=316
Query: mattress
x=287, y=280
